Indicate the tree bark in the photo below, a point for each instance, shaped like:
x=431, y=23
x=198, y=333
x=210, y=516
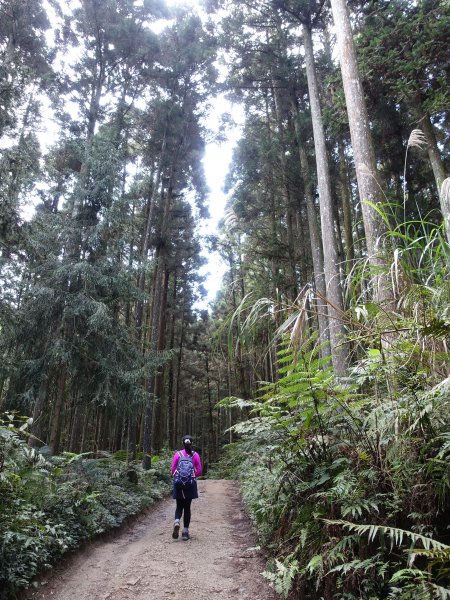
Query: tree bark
x=366, y=169
x=339, y=352
x=159, y=417
x=77, y=424
x=315, y=239
x=154, y=336
x=38, y=412
x=176, y=407
x=157, y=321
x=55, y=432
x=171, y=375
x=438, y=170
x=346, y=209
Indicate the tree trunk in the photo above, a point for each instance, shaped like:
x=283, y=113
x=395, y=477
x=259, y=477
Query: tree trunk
x=77, y=424
x=171, y=376
x=315, y=239
x=366, y=170
x=210, y=444
x=176, y=407
x=339, y=352
x=154, y=336
x=36, y=430
x=55, y=432
x=159, y=417
x=438, y=170
x=157, y=321
x=346, y=209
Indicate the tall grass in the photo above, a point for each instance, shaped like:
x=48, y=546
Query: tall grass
x=348, y=480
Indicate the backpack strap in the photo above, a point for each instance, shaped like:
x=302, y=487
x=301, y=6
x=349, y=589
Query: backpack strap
x=180, y=456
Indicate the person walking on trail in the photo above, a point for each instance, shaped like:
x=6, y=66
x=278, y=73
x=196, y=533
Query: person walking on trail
x=186, y=466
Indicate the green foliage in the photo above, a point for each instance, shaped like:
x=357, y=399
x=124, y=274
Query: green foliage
x=348, y=492
x=48, y=506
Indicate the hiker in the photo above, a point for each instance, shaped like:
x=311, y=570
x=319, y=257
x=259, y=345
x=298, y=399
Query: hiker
x=186, y=466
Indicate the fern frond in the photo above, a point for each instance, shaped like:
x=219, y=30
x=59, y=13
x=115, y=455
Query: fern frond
x=394, y=533
x=283, y=577
x=419, y=584
x=440, y=592
x=235, y=402
x=360, y=565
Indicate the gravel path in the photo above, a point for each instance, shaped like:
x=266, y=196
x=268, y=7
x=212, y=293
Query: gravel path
x=144, y=562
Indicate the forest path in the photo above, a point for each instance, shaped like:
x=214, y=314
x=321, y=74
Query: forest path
x=144, y=562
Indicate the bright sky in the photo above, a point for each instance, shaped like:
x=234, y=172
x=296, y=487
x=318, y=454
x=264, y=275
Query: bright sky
x=216, y=164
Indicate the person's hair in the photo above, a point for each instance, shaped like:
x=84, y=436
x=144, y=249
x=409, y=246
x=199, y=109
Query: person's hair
x=187, y=443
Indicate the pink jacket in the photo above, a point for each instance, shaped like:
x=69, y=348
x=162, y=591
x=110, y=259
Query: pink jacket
x=195, y=461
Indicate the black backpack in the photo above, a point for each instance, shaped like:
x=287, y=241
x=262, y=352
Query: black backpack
x=184, y=475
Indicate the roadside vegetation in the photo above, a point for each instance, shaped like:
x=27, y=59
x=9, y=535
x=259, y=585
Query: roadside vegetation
x=347, y=479
x=52, y=504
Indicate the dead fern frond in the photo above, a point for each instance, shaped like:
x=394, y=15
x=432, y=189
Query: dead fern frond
x=297, y=331
x=417, y=139
x=445, y=191
x=230, y=219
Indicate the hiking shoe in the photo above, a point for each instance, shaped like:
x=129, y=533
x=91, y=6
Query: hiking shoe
x=185, y=535
x=176, y=529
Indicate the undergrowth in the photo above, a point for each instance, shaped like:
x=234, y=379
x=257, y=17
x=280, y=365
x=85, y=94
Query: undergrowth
x=350, y=495
x=50, y=505
x=348, y=479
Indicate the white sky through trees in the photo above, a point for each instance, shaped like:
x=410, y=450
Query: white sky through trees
x=216, y=160
x=216, y=164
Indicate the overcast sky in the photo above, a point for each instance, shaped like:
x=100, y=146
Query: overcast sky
x=216, y=164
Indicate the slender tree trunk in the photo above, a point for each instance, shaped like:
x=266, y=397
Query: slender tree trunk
x=340, y=246
x=176, y=408
x=315, y=239
x=84, y=445
x=139, y=312
x=346, y=208
x=154, y=336
x=230, y=420
x=280, y=115
x=366, y=169
x=77, y=424
x=157, y=320
x=145, y=249
x=210, y=444
x=339, y=351
x=131, y=436
x=271, y=192
x=55, y=431
x=438, y=170
x=35, y=439
x=98, y=441
x=171, y=376
x=159, y=417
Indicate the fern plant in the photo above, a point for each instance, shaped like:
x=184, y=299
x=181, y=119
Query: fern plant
x=316, y=453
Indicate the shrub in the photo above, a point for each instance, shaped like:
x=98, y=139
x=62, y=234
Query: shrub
x=48, y=506
x=349, y=494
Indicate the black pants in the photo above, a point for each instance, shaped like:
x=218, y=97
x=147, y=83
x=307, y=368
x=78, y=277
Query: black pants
x=184, y=508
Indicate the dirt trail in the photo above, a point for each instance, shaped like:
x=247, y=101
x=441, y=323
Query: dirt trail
x=144, y=562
